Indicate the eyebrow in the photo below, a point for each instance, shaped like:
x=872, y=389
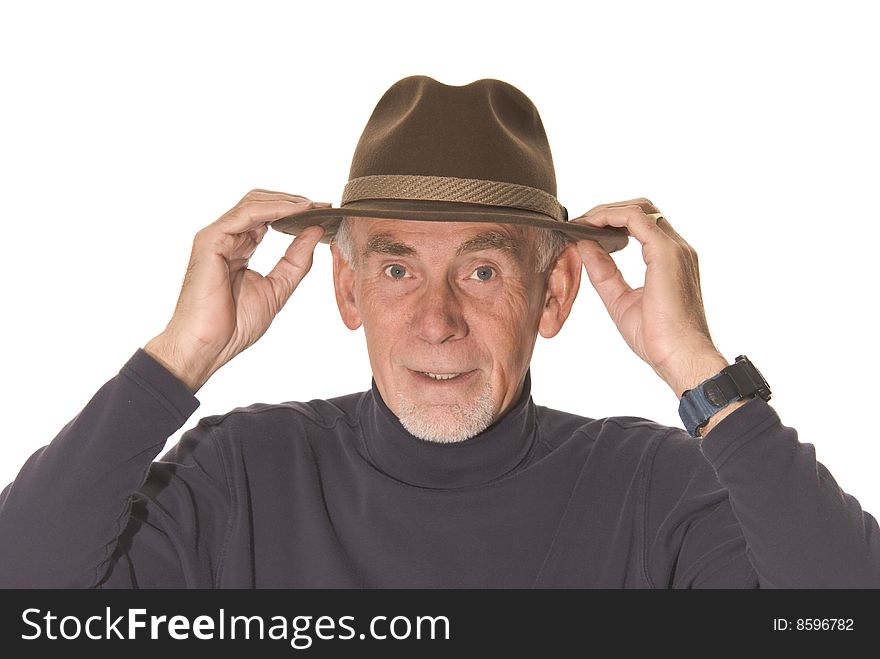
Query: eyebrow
x=492, y=240
x=383, y=243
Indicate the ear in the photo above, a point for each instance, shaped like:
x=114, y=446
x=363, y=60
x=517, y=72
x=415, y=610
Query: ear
x=563, y=283
x=343, y=284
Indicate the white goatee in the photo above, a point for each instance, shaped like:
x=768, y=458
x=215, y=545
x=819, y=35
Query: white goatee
x=447, y=423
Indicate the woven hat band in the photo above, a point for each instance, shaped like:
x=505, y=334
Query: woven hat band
x=449, y=188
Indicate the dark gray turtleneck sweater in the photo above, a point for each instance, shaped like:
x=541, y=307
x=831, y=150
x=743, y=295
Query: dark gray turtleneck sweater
x=336, y=493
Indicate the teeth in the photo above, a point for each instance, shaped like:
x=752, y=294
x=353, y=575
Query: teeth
x=441, y=376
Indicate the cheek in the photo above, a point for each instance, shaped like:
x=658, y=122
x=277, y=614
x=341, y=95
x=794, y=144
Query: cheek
x=507, y=319
x=384, y=317
x=513, y=305
x=374, y=303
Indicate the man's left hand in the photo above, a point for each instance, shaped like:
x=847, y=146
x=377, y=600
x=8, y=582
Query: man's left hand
x=663, y=321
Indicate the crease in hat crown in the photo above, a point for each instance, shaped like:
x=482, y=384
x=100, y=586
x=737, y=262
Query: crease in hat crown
x=432, y=151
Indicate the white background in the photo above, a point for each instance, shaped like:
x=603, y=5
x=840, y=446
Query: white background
x=752, y=126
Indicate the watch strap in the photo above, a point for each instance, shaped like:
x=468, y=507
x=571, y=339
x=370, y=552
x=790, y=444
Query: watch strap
x=735, y=382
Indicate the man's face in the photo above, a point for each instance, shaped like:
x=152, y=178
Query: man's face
x=450, y=311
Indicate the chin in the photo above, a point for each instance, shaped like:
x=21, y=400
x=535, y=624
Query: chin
x=447, y=422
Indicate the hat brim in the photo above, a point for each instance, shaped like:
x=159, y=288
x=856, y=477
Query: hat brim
x=611, y=239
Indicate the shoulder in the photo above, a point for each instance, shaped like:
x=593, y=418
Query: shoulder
x=324, y=413
x=266, y=423
x=665, y=464
x=621, y=437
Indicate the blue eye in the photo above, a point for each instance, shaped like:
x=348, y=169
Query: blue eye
x=484, y=273
x=396, y=271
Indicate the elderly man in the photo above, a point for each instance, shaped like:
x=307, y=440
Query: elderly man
x=452, y=253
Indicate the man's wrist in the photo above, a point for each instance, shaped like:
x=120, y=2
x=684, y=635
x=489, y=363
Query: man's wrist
x=699, y=370
x=696, y=371
x=725, y=411
x=160, y=349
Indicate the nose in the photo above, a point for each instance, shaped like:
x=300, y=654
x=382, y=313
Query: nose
x=438, y=315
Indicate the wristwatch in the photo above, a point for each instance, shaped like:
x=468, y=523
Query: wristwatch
x=739, y=380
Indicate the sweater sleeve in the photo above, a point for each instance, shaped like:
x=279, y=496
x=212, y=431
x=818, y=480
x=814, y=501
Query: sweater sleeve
x=749, y=506
x=801, y=529
x=62, y=517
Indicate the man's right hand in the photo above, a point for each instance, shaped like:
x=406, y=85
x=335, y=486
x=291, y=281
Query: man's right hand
x=223, y=306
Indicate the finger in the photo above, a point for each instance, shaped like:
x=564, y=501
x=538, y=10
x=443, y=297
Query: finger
x=258, y=233
x=690, y=260
x=645, y=204
x=262, y=193
x=238, y=233
x=649, y=208
x=294, y=264
x=257, y=212
x=604, y=275
x=672, y=264
x=665, y=226
x=656, y=243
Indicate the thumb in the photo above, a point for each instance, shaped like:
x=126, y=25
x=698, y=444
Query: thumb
x=603, y=272
x=598, y=263
x=294, y=265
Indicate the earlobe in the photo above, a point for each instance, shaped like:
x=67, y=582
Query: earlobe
x=563, y=283
x=343, y=285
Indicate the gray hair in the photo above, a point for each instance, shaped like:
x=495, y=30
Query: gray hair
x=548, y=247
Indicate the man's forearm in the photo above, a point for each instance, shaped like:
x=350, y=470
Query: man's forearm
x=60, y=518
x=801, y=529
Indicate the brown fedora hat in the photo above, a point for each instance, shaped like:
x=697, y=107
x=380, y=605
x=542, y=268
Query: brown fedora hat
x=470, y=153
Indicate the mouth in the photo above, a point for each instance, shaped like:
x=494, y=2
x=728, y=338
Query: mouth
x=448, y=376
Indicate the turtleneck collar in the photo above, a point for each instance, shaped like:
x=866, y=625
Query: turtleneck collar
x=495, y=452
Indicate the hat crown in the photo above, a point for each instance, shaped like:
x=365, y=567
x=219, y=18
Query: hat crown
x=432, y=152
x=487, y=129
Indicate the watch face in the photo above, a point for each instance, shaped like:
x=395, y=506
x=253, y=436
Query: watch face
x=714, y=394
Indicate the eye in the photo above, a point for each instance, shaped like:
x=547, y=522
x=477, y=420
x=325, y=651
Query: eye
x=395, y=271
x=483, y=273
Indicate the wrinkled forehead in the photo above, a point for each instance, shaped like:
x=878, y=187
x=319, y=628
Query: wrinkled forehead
x=410, y=237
